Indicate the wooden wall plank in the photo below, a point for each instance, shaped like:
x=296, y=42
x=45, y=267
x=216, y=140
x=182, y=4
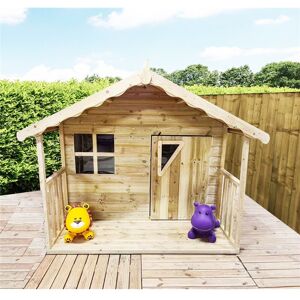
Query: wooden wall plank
x=132, y=121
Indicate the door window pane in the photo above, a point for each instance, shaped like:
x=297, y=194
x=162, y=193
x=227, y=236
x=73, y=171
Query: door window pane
x=105, y=143
x=84, y=164
x=166, y=152
x=83, y=143
x=106, y=165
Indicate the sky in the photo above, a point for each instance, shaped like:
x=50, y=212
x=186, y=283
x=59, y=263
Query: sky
x=63, y=43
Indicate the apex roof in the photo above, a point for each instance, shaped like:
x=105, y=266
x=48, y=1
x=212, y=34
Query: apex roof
x=146, y=77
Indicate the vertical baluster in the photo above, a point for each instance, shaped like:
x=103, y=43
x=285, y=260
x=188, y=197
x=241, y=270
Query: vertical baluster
x=55, y=204
x=229, y=207
x=60, y=202
x=225, y=203
x=52, y=211
x=64, y=188
x=220, y=212
x=236, y=234
x=48, y=204
x=233, y=213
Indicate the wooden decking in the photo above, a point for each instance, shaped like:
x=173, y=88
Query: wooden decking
x=270, y=257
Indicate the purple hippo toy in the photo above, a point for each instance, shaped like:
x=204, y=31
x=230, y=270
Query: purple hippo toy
x=204, y=222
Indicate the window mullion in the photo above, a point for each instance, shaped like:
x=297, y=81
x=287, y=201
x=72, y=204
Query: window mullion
x=84, y=153
x=109, y=154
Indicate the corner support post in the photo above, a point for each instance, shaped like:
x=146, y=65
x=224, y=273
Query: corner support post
x=42, y=177
x=243, y=181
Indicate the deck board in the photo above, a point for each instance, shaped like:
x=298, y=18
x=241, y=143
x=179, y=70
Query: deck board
x=64, y=272
x=88, y=272
x=76, y=272
x=100, y=271
x=123, y=272
x=112, y=272
x=269, y=257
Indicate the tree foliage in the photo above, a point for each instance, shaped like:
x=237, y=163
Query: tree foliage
x=97, y=78
x=159, y=71
x=282, y=74
x=194, y=74
x=241, y=76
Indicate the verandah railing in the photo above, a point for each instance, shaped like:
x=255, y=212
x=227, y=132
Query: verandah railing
x=56, y=200
x=230, y=207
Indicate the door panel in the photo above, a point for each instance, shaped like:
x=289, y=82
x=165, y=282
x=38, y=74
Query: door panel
x=182, y=180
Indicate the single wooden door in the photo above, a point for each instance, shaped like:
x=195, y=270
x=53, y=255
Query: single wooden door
x=179, y=175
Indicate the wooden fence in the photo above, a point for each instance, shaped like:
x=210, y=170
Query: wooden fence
x=274, y=169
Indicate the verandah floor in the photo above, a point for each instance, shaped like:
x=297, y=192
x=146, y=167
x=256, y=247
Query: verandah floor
x=123, y=237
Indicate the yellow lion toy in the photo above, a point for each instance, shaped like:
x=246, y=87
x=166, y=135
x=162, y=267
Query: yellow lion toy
x=78, y=222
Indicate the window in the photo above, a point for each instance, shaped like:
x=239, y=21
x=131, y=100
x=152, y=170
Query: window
x=167, y=152
x=94, y=153
x=84, y=164
x=106, y=165
x=83, y=143
x=105, y=143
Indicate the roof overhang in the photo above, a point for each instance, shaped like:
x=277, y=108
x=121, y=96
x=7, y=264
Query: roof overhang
x=146, y=77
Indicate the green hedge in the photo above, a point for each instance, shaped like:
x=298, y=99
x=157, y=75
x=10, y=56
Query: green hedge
x=215, y=90
x=22, y=103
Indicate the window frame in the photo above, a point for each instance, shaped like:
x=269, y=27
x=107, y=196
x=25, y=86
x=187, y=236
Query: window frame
x=95, y=154
x=161, y=171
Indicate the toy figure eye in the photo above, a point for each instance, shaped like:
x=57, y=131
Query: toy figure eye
x=207, y=213
x=199, y=212
x=80, y=218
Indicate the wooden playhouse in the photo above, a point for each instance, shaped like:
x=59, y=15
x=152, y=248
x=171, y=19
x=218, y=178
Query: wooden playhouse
x=140, y=152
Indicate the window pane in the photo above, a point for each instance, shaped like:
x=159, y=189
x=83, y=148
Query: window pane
x=84, y=164
x=105, y=143
x=83, y=143
x=167, y=152
x=106, y=165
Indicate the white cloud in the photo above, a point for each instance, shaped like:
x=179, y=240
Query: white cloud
x=226, y=53
x=135, y=16
x=279, y=20
x=82, y=68
x=12, y=16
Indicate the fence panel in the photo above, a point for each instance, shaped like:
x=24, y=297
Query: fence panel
x=274, y=170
